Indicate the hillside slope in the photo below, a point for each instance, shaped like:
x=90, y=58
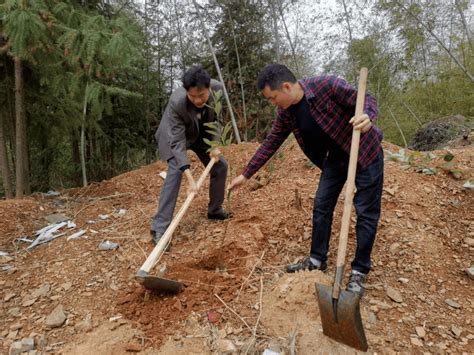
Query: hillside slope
x=419, y=297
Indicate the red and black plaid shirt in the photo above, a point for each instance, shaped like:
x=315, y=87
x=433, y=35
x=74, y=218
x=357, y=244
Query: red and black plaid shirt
x=332, y=104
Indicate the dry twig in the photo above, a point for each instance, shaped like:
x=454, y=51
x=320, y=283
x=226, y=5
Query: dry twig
x=230, y=309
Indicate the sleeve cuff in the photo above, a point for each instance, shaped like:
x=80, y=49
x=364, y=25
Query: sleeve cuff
x=185, y=167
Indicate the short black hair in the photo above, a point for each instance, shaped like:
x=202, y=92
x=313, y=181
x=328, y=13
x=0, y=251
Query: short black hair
x=196, y=77
x=274, y=75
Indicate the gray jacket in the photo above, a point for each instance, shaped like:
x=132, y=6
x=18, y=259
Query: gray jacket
x=179, y=126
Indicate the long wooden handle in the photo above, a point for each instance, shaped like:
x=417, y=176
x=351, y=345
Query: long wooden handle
x=350, y=183
x=164, y=240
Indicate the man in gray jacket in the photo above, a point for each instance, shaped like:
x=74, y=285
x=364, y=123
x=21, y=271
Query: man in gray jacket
x=182, y=128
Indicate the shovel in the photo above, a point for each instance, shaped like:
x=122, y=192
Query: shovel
x=158, y=283
x=339, y=309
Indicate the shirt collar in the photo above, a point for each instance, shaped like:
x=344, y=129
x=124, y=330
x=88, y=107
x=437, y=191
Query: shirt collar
x=307, y=91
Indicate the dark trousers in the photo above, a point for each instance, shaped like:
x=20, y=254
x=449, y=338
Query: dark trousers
x=367, y=201
x=170, y=190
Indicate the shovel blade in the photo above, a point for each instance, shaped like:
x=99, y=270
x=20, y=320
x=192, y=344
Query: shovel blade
x=346, y=325
x=159, y=284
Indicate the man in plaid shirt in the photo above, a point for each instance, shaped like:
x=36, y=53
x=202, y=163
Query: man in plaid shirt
x=319, y=112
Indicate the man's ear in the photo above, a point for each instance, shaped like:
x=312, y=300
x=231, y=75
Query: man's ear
x=285, y=86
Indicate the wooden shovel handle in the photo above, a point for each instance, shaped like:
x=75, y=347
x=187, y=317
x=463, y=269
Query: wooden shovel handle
x=350, y=183
x=157, y=252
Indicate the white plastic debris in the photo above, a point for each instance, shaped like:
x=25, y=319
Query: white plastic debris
x=52, y=193
x=122, y=212
x=71, y=224
x=3, y=253
x=76, y=235
x=270, y=352
x=469, y=184
x=103, y=216
x=162, y=174
x=46, y=234
x=108, y=245
x=400, y=156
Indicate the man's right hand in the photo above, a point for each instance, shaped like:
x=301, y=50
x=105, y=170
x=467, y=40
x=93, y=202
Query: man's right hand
x=192, y=186
x=237, y=182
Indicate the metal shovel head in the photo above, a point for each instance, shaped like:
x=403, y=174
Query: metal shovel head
x=341, y=318
x=159, y=284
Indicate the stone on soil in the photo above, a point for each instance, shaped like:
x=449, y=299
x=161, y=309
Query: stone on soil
x=56, y=318
x=470, y=272
x=225, y=346
x=9, y=296
x=420, y=331
x=394, y=295
x=469, y=241
x=416, y=342
x=452, y=303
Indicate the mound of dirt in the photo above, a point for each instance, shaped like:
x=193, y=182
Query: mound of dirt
x=452, y=131
x=237, y=296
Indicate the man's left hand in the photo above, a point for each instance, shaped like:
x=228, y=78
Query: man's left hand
x=362, y=123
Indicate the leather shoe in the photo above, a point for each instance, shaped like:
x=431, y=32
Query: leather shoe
x=306, y=264
x=221, y=215
x=155, y=238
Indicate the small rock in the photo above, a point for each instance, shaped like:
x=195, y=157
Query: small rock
x=56, y=318
x=108, y=245
x=15, y=348
x=29, y=302
x=57, y=218
x=27, y=344
x=452, y=303
x=403, y=280
x=394, y=248
x=5, y=259
x=394, y=295
x=83, y=326
x=415, y=341
x=372, y=318
x=132, y=347
x=12, y=334
x=420, y=331
x=66, y=286
x=42, y=291
x=9, y=296
x=226, y=346
x=16, y=326
x=456, y=331
x=469, y=241
x=14, y=312
x=470, y=272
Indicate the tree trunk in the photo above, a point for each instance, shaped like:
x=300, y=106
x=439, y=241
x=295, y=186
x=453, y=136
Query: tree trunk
x=240, y=79
x=21, y=146
x=398, y=126
x=464, y=23
x=276, y=34
x=83, y=138
x=459, y=64
x=349, y=29
x=288, y=36
x=4, y=166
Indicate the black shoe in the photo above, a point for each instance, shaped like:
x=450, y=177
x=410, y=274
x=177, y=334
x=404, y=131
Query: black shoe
x=221, y=215
x=356, y=283
x=155, y=237
x=306, y=264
